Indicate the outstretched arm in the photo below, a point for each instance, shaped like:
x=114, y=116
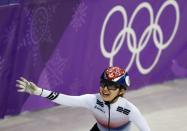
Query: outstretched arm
x=76, y=101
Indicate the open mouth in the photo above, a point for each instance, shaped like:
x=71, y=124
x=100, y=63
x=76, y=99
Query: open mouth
x=105, y=94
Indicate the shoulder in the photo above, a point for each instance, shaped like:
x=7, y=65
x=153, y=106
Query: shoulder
x=123, y=101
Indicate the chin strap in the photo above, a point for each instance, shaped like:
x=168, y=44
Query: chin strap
x=109, y=102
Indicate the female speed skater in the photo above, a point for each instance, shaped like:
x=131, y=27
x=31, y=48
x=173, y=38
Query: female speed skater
x=111, y=110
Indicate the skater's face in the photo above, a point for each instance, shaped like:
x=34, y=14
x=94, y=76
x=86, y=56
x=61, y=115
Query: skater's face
x=109, y=91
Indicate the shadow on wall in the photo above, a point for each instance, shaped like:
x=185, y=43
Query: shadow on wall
x=28, y=40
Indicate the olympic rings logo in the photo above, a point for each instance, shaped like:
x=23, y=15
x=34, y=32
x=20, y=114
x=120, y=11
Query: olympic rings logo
x=134, y=46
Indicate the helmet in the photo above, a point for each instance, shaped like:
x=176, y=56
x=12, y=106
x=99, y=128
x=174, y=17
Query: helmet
x=117, y=76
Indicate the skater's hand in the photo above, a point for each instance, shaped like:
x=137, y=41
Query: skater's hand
x=27, y=86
